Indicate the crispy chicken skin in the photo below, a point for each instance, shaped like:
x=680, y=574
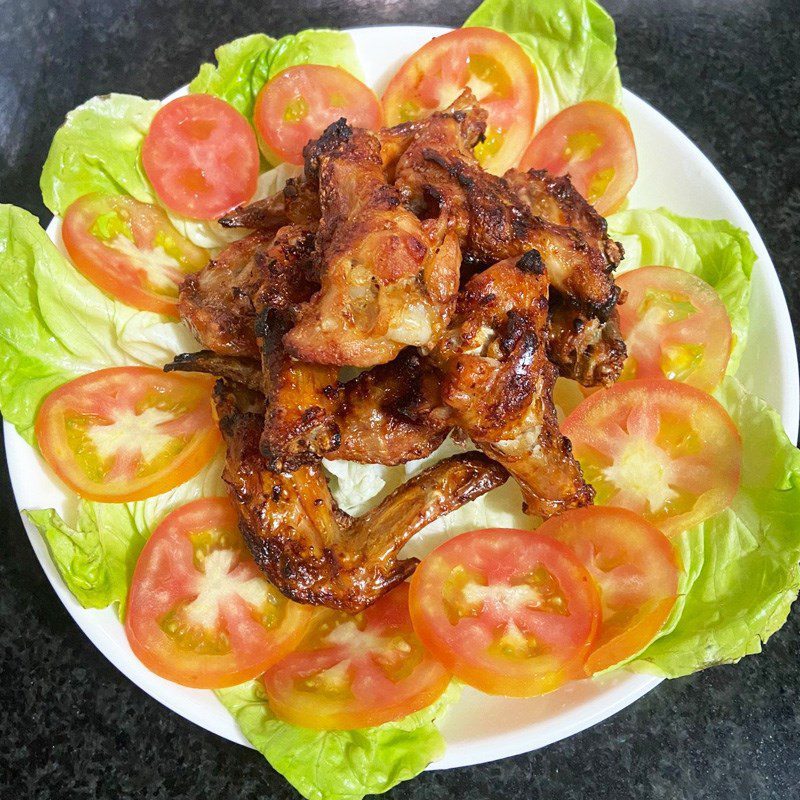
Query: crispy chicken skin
x=388, y=279
x=217, y=302
x=498, y=381
x=309, y=549
x=393, y=413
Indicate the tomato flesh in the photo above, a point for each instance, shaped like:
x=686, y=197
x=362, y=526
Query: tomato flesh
x=660, y=448
x=356, y=671
x=635, y=567
x=593, y=143
x=507, y=611
x=127, y=433
x=675, y=326
x=199, y=611
x=130, y=250
x=493, y=66
x=201, y=156
x=300, y=102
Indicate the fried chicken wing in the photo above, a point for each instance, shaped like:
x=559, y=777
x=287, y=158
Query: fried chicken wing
x=297, y=203
x=310, y=550
x=388, y=279
x=392, y=413
x=498, y=381
x=234, y=369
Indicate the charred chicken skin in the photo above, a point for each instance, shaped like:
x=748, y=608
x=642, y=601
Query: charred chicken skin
x=312, y=551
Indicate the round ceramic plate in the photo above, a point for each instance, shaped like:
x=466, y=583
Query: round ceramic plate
x=673, y=173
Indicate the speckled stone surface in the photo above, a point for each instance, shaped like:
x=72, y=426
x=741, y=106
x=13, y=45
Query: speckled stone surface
x=73, y=727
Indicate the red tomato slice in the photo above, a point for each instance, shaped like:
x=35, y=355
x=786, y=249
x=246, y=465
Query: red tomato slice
x=675, y=326
x=130, y=250
x=201, y=156
x=127, y=433
x=593, y=142
x=490, y=63
x=662, y=449
x=356, y=671
x=199, y=611
x=300, y=102
x=507, y=611
x=633, y=564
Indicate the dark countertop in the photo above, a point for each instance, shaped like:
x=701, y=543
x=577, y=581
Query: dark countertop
x=71, y=726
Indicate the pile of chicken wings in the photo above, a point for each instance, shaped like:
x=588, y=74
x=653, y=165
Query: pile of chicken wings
x=460, y=295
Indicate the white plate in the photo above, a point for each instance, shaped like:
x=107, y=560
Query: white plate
x=672, y=172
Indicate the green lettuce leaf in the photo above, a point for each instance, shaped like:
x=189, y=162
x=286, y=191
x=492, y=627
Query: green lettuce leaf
x=95, y=554
x=571, y=42
x=339, y=765
x=741, y=572
x=714, y=250
x=98, y=149
x=245, y=65
x=56, y=325
x=242, y=69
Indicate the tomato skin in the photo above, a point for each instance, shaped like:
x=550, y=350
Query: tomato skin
x=636, y=569
x=356, y=671
x=668, y=313
x=168, y=579
x=114, y=271
x=490, y=62
x=71, y=415
x=298, y=103
x=467, y=608
x=660, y=448
x=605, y=174
x=201, y=156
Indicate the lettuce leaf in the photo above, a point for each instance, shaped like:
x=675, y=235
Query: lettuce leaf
x=96, y=553
x=56, y=325
x=741, y=567
x=572, y=43
x=714, y=250
x=245, y=65
x=339, y=765
x=98, y=149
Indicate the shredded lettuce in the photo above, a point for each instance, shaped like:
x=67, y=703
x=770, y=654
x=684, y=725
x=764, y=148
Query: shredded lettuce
x=572, y=43
x=714, y=250
x=741, y=572
x=56, y=325
x=245, y=65
x=95, y=554
x=98, y=149
x=339, y=765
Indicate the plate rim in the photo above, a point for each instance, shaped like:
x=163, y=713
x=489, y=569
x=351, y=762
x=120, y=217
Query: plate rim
x=501, y=745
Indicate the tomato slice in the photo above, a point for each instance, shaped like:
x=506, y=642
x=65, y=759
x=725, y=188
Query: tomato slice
x=662, y=449
x=300, y=102
x=675, y=326
x=356, y=671
x=201, y=156
x=199, y=611
x=130, y=250
x=490, y=63
x=127, y=433
x=507, y=611
x=593, y=143
x=635, y=567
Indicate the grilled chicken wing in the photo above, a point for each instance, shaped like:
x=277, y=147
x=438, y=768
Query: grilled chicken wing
x=309, y=549
x=388, y=280
x=584, y=348
x=217, y=302
x=392, y=413
x=498, y=381
x=297, y=203
x=234, y=369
